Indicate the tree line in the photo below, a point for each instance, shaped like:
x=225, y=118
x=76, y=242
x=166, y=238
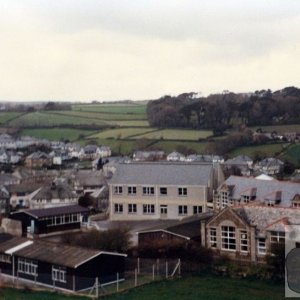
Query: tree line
x=222, y=111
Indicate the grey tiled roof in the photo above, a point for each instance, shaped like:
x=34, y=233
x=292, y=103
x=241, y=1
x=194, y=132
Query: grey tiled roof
x=239, y=160
x=162, y=173
x=268, y=218
x=265, y=188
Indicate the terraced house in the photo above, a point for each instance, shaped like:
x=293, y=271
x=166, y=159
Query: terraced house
x=159, y=190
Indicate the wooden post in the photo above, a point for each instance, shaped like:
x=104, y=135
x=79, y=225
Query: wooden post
x=117, y=282
x=97, y=291
x=153, y=272
x=138, y=265
x=157, y=266
x=167, y=269
x=179, y=267
x=135, y=277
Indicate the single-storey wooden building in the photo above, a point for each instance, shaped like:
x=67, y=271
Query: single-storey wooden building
x=48, y=220
x=63, y=266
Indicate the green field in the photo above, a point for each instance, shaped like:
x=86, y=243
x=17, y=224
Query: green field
x=189, y=288
x=47, y=119
x=292, y=154
x=169, y=146
x=7, y=116
x=269, y=150
x=112, y=108
x=177, y=134
x=56, y=134
x=280, y=129
x=101, y=115
x=120, y=133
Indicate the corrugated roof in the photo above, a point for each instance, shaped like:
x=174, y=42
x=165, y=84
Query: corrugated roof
x=162, y=173
x=54, y=211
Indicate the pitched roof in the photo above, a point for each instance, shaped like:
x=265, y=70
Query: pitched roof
x=239, y=160
x=53, y=211
x=264, y=188
x=55, y=191
x=162, y=173
x=59, y=254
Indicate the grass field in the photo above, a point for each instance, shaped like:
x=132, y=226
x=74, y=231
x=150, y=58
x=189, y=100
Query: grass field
x=267, y=150
x=7, y=116
x=177, y=134
x=48, y=119
x=169, y=146
x=113, y=108
x=189, y=288
x=120, y=133
x=56, y=134
x=292, y=154
x=279, y=128
x=102, y=116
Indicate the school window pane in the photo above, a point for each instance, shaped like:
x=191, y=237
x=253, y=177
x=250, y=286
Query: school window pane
x=228, y=238
x=182, y=191
x=118, y=208
x=213, y=237
x=182, y=210
x=132, y=208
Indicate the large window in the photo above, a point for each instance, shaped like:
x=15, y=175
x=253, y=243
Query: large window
x=118, y=208
x=63, y=219
x=261, y=246
x=182, y=191
x=59, y=274
x=132, y=208
x=5, y=258
x=182, y=210
x=197, y=210
x=163, y=191
x=118, y=189
x=213, y=237
x=132, y=190
x=27, y=266
x=244, y=241
x=277, y=237
x=148, y=209
x=148, y=190
x=228, y=238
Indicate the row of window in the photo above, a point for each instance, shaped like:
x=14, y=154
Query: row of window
x=30, y=267
x=5, y=258
x=150, y=209
x=149, y=191
x=63, y=219
x=229, y=239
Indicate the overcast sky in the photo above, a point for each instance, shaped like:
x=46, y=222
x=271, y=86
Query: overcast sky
x=84, y=50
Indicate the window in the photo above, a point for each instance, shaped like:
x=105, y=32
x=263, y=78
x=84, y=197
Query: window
x=118, y=208
x=277, y=237
x=213, y=237
x=164, y=209
x=59, y=274
x=182, y=210
x=131, y=190
x=118, y=189
x=148, y=190
x=261, y=246
x=228, y=238
x=163, y=191
x=197, y=210
x=148, y=209
x=182, y=191
x=244, y=241
x=131, y=208
x=5, y=258
x=27, y=266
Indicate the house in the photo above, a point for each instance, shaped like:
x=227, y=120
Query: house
x=4, y=201
x=53, y=194
x=185, y=230
x=242, y=163
x=59, y=156
x=58, y=266
x=104, y=151
x=38, y=160
x=175, y=156
x=7, y=141
x=89, y=152
x=4, y=157
x=20, y=194
x=159, y=190
x=269, y=166
x=204, y=158
x=87, y=181
x=73, y=150
x=148, y=155
x=8, y=179
x=238, y=190
x=39, y=222
x=247, y=233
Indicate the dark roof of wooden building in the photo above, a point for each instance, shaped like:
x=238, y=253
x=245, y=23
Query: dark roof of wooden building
x=54, y=211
